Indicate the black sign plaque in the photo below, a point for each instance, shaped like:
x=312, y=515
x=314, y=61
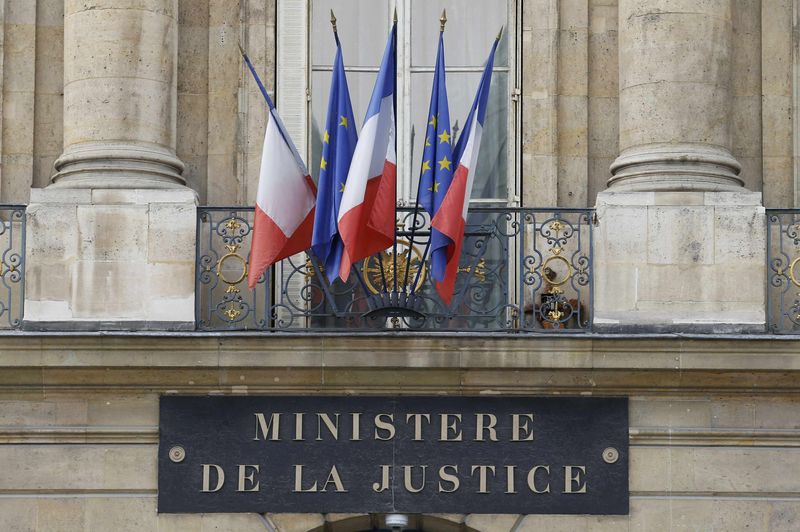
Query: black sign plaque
x=317, y=454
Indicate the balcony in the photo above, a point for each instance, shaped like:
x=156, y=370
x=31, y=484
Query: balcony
x=783, y=271
x=520, y=270
x=12, y=265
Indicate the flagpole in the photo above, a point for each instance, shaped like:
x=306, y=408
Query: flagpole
x=394, y=105
x=255, y=76
x=442, y=22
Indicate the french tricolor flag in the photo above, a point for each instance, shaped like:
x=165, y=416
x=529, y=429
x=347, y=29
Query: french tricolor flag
x=367, y=211
x=451, y=218
x=285, y=200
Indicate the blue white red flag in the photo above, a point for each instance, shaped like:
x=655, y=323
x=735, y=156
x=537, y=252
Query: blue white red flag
x=451, y=217
x=284, y=213
x=436, y=172
x=367, y=211
x=338, y=144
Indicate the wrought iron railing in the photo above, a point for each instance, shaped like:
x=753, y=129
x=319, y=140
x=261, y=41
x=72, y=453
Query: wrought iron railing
x=783, y=271
x=12, y=265
x=520, y=270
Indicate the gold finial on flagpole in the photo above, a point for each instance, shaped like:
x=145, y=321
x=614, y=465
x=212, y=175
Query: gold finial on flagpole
x=333, y=21
x=241, y=50
x=500, y=33
x=442, y=20
x=394, y=17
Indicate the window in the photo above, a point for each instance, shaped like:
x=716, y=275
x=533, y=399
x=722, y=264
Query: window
x=363, y=29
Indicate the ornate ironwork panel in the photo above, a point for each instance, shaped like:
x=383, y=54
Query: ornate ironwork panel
x=12, y=265
x=520, y=269
x=783, y=271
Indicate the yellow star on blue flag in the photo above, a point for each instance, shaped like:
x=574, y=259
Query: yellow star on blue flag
x=435, y=181
x=338, y=145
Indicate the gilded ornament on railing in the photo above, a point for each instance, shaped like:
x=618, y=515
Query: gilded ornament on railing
x=555, y=314
x=231, y=312
x=309, y=269
x=232, y=225
x=232, y=254
x=380, y=276
x=480, y=270
x=792, y=275
x=566, y=276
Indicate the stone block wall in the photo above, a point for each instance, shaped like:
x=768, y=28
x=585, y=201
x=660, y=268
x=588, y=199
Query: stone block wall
x=714, y=424
x=110, y=259
x=569, y=97
x=220, y=113
x=680, y=261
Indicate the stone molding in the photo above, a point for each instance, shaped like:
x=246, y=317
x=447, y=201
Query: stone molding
x=639, y=436
x=676, y=167
x=110, y=165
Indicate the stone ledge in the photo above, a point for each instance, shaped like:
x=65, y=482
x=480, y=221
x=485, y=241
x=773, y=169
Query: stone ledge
x=85, y=325
x=639, y=436
x=106, y=196
x=447, y=352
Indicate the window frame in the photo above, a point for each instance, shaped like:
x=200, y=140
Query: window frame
x=294, y=92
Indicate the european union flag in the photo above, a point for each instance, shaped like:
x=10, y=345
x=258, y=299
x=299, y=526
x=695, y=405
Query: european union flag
x=437, y=169
x=338, y=143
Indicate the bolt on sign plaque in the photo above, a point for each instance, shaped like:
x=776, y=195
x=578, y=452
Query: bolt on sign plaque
x=316, y=454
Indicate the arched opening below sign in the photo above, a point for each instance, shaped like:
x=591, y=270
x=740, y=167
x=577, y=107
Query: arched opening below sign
x=377, y=523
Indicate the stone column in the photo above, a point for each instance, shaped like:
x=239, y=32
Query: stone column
x=120, y=95
x=675, y=97
x=111, y=242
x=680, y=243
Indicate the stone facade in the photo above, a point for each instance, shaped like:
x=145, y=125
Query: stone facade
x=675, y=118
x=713, y=439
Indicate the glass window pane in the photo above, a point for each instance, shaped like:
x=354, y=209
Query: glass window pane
x=363, y=28
x=471, y=28
x=492, y=173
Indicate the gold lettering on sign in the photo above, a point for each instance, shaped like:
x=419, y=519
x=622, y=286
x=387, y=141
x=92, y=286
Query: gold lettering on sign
x=207, y=478
x=298, y=481
x=520, y=431
x=244, y=477
x=386, y=426
x=407, y=480
x=418, y=424
x=332, y=427
x=482, y=476
x=336, y=480
x=571, y=478
x=298, y=426
x=383, y=485
x=447, y=427
x=532, y=479
x=356, y=426
x=272, y=426
x=452, y=478
x=510, y=479
x=483, y=426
